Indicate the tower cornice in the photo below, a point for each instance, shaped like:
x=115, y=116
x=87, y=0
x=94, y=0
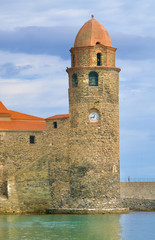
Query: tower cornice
x=93, y=68
x=92, y=47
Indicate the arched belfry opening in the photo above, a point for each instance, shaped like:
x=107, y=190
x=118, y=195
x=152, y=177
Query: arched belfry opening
x=98, y=59
x=73, y=60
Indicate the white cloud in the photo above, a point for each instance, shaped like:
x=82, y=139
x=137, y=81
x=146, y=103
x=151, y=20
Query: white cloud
x=43, y=85
x=42, y=13
x=130, y=17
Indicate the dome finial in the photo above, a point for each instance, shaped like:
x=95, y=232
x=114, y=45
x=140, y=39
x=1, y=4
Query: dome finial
x=92, y=15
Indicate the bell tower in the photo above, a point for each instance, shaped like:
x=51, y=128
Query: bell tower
x=94, y=120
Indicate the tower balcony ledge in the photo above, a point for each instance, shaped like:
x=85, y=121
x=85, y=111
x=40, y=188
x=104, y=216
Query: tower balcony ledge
x=93, y=67
x=74, y=49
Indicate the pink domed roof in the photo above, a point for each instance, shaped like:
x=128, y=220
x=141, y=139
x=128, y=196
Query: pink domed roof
x=91, y=33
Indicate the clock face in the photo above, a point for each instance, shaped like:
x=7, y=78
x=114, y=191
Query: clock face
x=93, y=117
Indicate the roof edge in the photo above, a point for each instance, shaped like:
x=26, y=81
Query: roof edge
x=60, y=116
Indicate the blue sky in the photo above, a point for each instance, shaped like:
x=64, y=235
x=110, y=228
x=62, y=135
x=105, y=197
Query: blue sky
x=35, y=38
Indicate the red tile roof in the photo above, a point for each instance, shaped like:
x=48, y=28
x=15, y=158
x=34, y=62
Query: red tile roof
x=23, y=122
x=20, y=125
x=20, y=121
x=23, y=116
x=58, y=116
x=3, y=109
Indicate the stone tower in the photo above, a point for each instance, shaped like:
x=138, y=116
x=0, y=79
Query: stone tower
x=94, y=119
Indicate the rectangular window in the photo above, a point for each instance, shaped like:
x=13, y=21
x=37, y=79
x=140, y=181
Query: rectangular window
x=55, y=124
x=32, y=139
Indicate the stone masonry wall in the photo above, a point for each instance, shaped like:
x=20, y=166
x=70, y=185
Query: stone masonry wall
x=138, y=195
x=88, y=56
x=83, y=58
x=138, y=190
x=39, y=176
x=16, y=153
x=29, y=190
x=58, y=150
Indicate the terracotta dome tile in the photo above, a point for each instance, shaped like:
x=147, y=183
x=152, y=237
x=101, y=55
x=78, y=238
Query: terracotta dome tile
x=91, y=33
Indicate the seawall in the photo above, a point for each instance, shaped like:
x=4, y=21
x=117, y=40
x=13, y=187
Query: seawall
x=139, y=196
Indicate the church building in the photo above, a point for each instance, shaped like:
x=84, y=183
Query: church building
x=68, y=163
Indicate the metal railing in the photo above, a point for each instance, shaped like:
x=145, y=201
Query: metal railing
x=128, y=179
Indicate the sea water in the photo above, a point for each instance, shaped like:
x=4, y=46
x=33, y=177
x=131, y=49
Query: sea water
x=133, y=226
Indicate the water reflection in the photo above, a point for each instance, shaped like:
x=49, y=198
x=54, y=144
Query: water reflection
x=60, y=227
x=138, y=225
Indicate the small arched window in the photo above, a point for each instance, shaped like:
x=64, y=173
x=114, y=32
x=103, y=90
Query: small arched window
x=93, y=79
x=74, y=80
x=73, y=60
x=98, y=59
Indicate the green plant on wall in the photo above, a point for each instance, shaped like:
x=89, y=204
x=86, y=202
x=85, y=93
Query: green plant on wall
x=96, y=102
